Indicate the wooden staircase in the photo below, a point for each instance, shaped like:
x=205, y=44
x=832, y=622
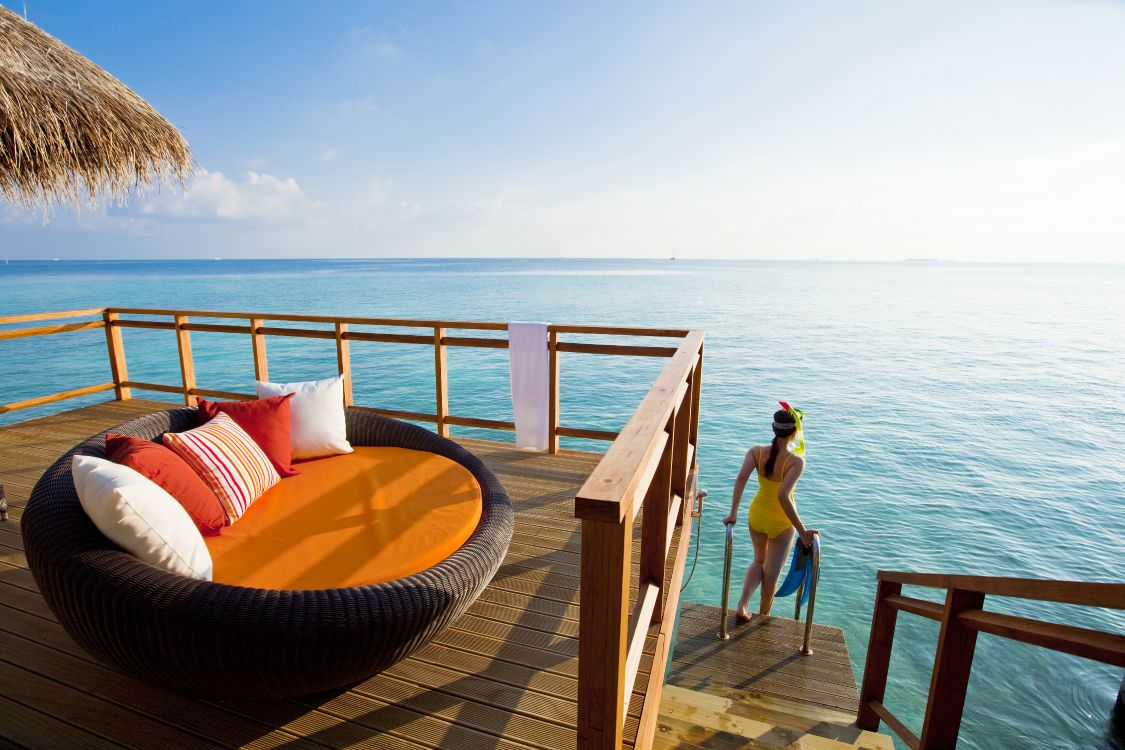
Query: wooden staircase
x=757, y=691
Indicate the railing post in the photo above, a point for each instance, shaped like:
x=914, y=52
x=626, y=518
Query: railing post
x=696, y=389
x=680, y=439
x=344, y=361
x=654, y=523
x=258, y=340
x=116, y=350
x=603, y=632
x=878, y=655
x=553, y=422
x=441, y=383
x=950, y=680
x=806, y=645
x=187, y=365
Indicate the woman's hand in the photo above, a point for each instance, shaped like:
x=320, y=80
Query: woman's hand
x=807, y=536
x=731, y=519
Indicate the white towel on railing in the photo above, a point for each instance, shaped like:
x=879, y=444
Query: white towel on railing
x=529, y=363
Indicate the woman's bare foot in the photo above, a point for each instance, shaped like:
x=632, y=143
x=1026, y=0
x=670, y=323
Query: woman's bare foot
x=742, y=615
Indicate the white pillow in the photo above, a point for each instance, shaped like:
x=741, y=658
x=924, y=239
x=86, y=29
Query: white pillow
x=316, y=416
x=140, y=516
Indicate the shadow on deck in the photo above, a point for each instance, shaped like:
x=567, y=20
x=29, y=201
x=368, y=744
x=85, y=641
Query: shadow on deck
x=503, y=676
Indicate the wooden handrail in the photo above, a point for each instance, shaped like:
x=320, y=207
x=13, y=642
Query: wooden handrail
x=1085, y=593
x=962, y=617
x=297, y=318
x=22, y=333
x=648, y=470
x=600, y=330
x=5, y=320
x=610, y=491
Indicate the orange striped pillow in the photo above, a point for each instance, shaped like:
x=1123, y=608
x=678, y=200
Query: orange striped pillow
x=228, y=460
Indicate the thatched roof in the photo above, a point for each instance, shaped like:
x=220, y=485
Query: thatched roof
x=70, y=131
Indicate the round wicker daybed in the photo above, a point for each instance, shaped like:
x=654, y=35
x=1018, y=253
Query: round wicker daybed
x=208, y=638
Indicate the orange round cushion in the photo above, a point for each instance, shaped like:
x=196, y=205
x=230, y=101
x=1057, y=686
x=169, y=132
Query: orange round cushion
x=365, y=517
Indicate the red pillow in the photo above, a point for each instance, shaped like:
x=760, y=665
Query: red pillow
x=172, y=473
x=266, y=420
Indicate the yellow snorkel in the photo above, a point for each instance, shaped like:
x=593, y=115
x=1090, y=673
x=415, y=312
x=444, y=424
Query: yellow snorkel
x=798, y=444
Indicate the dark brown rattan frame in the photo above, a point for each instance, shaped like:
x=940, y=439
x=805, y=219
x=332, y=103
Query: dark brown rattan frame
x=205, y=638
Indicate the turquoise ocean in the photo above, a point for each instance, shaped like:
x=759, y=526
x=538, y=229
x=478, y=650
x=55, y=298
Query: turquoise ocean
x=960, y=418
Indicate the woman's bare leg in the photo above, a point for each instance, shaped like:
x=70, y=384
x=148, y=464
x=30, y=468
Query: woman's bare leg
x=776, y=552
x=753, y=574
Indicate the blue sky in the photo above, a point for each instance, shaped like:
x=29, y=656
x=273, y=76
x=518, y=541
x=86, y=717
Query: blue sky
x=981, y=130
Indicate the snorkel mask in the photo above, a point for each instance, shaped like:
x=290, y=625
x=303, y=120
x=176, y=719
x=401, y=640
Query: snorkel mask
x=798, y=444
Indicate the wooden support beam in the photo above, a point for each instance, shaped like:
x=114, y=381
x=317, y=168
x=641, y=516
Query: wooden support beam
x=619, y=350
x=41, y=400
x=952, y=665
x=116, y=350
x=344, y=361
x=586, y=434
x=441, y=383
x=258, y=341
x=655, y=524
x=602, y=633
x=553, y=420
x=696, y=390
x=894, y=724
x=648, y=601
x=1108, y=648
x=682, y=447
x=920, y=607
x=878, y=656
x=187, y=364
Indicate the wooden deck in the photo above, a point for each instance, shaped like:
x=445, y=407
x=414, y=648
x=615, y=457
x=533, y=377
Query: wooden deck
x=503, y=676
x=757, y=690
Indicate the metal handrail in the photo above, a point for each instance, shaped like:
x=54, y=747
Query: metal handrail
x=805, y=647
x=724, y=634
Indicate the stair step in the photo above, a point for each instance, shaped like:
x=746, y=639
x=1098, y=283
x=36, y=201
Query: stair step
x=718, y=723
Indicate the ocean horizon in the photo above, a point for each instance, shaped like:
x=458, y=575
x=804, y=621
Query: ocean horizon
x=961, y=417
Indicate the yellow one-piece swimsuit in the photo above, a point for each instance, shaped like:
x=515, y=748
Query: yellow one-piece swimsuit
x=766, y=514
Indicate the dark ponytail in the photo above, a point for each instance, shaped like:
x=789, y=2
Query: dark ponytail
x=781, y=418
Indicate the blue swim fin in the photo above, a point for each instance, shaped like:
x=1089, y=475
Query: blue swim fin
x=799, y=568
x=809, y=570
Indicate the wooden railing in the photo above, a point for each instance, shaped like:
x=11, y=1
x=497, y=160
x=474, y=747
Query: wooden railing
x=962, y=617
x=649, y=470
x=258, y=327
x=20, y=333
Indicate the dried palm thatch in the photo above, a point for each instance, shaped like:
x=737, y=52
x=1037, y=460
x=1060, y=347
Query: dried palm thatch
x=70, y=131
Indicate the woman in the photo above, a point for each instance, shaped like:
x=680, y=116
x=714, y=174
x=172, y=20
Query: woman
x=773, y=514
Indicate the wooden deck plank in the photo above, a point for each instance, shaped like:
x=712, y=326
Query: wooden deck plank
x=26, y=727
x=763, y=657
x=90, y=712
x=503, y=676
x=29, y=652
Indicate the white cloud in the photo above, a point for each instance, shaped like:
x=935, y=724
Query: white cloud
x=373, y=44
x=377, y=207
x=213, y=194
x=330, y=154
